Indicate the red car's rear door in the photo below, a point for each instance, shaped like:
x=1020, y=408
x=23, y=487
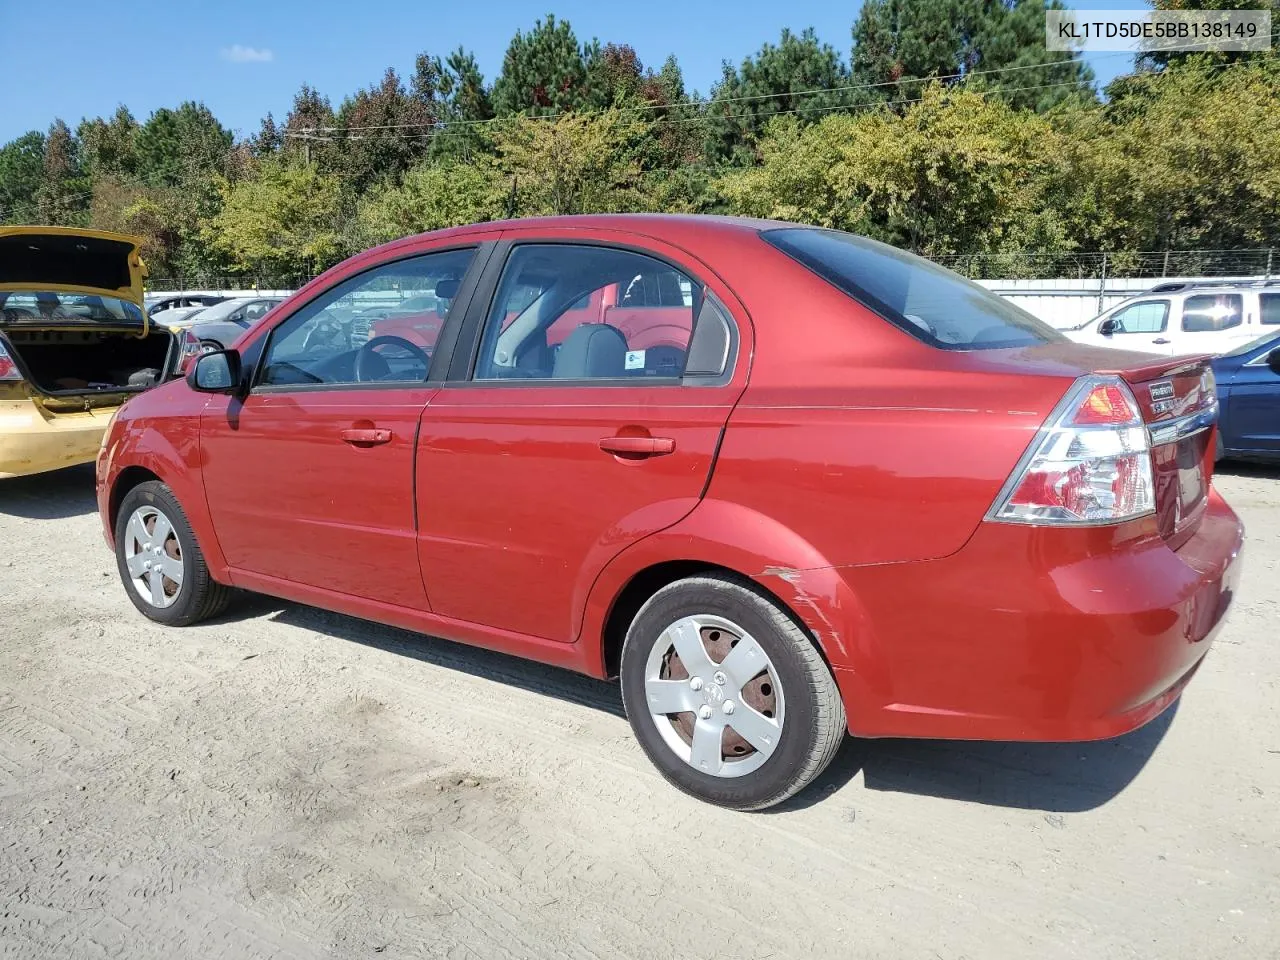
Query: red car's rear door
x=538, y=462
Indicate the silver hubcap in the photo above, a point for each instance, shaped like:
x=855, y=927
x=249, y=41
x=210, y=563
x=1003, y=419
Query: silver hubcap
x=153, y=557
x=714, y=696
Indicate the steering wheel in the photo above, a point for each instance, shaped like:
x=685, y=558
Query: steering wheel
x=364, y=374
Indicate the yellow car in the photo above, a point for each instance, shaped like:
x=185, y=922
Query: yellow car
x=75, y=343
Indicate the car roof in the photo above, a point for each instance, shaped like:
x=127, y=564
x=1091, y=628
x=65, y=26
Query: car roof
x=1211, y=286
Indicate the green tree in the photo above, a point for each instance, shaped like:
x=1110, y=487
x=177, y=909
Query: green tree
x=1186, y=158
x=310, y=127
x=576, y=163
x=385, y=129
x=110, y=147
x=544, y=71
x=432, y=196
x=958, y=172
x=178, y=146
x=280, y=224
x=799, y=75
x=21, y=175
x=897, y=43
x=63, y=196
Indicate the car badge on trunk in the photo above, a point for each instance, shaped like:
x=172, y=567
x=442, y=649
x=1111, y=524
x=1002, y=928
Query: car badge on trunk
x=1161, y=396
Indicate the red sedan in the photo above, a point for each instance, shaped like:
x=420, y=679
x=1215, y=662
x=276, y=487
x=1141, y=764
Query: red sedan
x=782, y=482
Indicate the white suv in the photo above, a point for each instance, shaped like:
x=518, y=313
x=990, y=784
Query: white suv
x=1178, y=318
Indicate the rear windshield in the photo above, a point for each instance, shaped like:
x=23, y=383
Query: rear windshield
x=45, y=306
x=927, y=301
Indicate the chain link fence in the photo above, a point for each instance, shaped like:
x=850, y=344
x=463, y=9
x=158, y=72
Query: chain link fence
x=1082, y=265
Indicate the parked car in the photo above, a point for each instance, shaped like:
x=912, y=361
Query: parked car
x=75, y=343
x=1181, y=318
x=219, y=326
x=162, y=303
x=1249, y=395
x=867, y=496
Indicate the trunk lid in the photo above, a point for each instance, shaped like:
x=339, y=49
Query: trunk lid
x=68, y=260
x=1180, y=405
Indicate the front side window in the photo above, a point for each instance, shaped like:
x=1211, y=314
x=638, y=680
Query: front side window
x=566, y=312
x=1150, y=316
x=927, y=301
x=334, y=338
x=1209, y=312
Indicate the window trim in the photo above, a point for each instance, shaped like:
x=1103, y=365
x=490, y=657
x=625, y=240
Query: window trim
x=254, y=360
x=1164, y=322
x=471, y=331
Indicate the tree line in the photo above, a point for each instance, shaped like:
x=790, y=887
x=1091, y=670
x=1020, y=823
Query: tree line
x=949, y=129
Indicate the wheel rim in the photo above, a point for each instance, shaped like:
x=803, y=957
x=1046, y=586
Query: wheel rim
x=714, y=695
x=153, y=557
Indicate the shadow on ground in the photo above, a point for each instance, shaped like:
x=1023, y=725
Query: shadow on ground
x=1248, y=468
x=50, y=496
x=1054, y=777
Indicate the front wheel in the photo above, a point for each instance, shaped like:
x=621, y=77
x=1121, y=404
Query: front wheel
x=161, y=564
x=727, y=694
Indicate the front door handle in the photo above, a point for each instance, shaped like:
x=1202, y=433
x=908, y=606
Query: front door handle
x=366, y=436
x=638, y=446
x=1160, y=340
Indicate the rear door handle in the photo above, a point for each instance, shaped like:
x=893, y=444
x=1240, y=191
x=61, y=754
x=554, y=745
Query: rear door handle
x=1160, y=340
x=638, y=446
x=366, y=436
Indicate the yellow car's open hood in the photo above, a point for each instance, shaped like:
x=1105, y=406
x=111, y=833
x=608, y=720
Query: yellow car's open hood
x=73, y=260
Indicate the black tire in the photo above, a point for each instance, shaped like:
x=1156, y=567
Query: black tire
x=199, y=596
x=814, y=724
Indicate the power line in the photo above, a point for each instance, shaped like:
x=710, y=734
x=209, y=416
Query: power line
x=844, y=88
x=705, y=117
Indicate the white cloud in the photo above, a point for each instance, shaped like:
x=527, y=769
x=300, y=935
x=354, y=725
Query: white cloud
x=238, y=53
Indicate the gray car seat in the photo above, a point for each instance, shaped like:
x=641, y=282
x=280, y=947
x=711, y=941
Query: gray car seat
x=592, y=351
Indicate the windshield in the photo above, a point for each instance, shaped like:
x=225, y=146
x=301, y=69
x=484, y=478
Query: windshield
x=45, y=306
x=1253, y=344
x=221, y=311
x=927, y=301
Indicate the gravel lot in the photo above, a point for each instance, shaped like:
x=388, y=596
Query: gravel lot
x=290, y=783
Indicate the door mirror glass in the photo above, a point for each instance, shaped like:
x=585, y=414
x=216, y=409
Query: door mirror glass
x=217, y=372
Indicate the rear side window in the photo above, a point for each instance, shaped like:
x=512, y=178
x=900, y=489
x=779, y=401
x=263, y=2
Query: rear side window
x=1212, y=311
x=1270, y=313
x=927, y=301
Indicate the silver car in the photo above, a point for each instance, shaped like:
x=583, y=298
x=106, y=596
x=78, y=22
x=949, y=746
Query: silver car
x=219, y=326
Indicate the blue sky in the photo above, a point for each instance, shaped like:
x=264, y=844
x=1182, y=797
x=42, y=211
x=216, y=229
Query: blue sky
x=245, y=58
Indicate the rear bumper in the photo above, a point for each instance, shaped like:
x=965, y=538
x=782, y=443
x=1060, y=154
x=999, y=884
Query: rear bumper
x=34, y=441
x=1039, y=634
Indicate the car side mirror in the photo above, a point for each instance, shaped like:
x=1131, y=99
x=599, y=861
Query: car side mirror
x=1273, y=360
x=1108, y=326
x=217, y=372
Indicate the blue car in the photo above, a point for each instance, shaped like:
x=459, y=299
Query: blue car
x=1249, y=395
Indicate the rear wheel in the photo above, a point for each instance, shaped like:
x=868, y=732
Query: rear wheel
x=163, y=570
x=727, y=694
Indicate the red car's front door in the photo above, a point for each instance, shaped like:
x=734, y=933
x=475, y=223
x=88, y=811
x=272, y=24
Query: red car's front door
x=541, y=463
x=309, y=479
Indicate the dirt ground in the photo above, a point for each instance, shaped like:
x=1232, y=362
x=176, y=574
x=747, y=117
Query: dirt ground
x=291, y=783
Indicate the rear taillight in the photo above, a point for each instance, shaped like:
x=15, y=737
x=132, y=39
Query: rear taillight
x=8, y=369
x=190, y=350
x=1090, y=462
